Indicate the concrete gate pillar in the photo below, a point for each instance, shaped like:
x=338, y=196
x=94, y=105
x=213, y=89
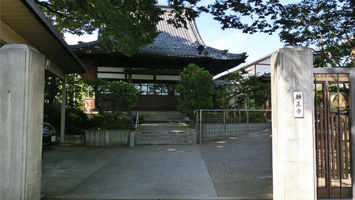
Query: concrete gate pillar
x=21, y=121
x=293, y=149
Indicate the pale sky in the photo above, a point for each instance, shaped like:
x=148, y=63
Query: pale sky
x=255, y=45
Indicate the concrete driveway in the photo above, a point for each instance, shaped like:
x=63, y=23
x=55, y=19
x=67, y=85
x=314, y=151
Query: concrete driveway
x=235, y=168
x=241, y=167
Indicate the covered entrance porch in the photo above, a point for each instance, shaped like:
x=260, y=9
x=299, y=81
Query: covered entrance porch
x=30, y=47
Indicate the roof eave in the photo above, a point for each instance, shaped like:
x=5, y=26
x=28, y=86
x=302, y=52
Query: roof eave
x=43, y=19
x=28, y=21
x=231, y=59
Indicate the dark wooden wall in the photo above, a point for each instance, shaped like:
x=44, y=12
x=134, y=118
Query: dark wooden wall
x=157, y=103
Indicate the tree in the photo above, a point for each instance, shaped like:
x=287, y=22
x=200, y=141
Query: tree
x=246, y=91
x=196, y=90
x=124, y=25
x=122, y=94
x=326, y=25
x=100, y=88
x=118, y=93
x=76, y=91
x=51, y=88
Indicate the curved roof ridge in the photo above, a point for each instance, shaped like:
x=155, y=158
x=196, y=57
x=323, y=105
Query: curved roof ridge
x=80, y=44
x=172, y=42
x=224, y=51
x=195, y=32
x=192, y=27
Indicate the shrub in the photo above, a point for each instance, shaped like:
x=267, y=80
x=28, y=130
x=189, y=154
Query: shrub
x=196, y=89
x=122, y=94
x=97, y=120
x=119, y=93
x=77, y=118
x=116, y=120
x=51, y=115
x=256, y=117
x=141, y=119
x=76, y=121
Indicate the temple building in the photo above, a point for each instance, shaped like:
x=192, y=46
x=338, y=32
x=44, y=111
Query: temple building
x=155, y=70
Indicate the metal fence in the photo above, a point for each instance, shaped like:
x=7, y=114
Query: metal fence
x=214, y=124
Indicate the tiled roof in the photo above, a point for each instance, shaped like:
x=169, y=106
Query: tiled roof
x=171, y=42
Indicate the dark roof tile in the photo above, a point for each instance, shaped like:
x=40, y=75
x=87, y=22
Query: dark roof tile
x=171, y=42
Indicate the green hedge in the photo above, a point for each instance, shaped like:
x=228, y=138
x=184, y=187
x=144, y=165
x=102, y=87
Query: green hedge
x=76, y=121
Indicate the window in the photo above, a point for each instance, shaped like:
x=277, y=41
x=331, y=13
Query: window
x=144, y=89
x=150, y=88
x=147, y=89
x=137, y=86
x=155, y=89
x=161, y=89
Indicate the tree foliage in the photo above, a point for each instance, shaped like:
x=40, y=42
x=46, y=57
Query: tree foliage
x=119, y=93
x=122, y=94
x=52, y=86
x=325, y=25
x=75, y=90
x=124, y=25
x=244, y=91
x=196, y=90
x=99, y=88
x=328, y=25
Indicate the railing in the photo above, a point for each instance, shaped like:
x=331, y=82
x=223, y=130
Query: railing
x=136, y=127
x=137, y=122
x=213, y=124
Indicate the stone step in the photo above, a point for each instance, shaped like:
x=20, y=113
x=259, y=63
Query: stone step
x=164, y=133
x=162, y=120
x=164, y=142
x=157, y=114
x=170, y=127
x=164, y=137
x=162, y=116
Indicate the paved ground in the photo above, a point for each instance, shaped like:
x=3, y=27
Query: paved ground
x=241, y=166
x=238, y=168
x=144, y=172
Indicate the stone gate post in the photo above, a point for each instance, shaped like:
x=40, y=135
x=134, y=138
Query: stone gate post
x=292, y=124
x=21, y=121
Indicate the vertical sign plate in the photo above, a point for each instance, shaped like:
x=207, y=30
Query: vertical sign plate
x=298, y=104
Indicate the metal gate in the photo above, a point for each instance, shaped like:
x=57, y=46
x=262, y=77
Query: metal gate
x=333, y=122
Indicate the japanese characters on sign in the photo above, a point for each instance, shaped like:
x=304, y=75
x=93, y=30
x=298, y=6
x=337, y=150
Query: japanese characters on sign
x=298, y=104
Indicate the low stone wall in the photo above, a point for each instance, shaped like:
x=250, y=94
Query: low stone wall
x=107, y=137
x=220, y=131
